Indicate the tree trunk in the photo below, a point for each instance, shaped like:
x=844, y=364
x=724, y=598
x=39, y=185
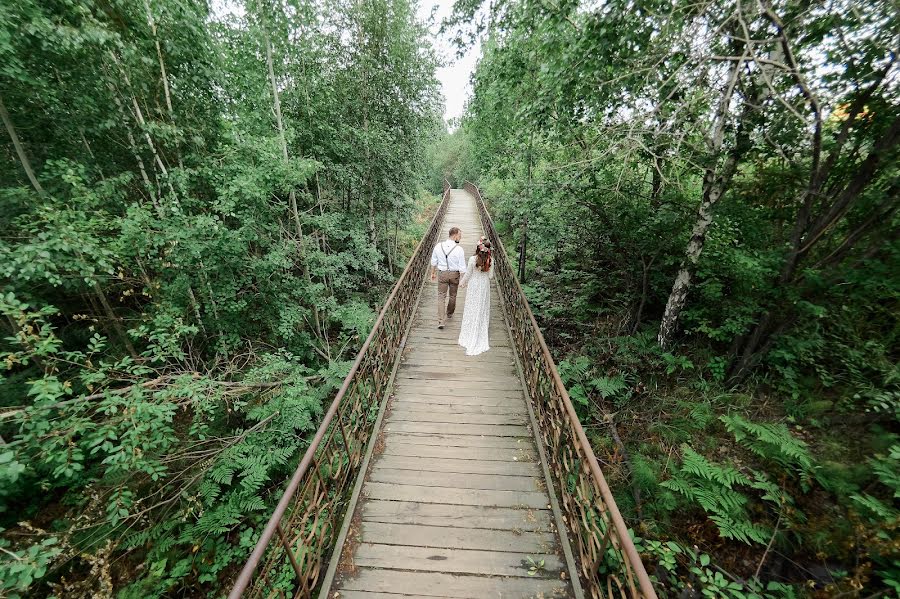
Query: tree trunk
x=276, y=103
x=164, y=77
x=523, y=248
x=114, y=319
x=142, y=123
x=656, y=182
x=644, y=285
x=713, y=188
x=523, y=244
x=20, y=151
x=372, y=230
x=807, y=233
x=295, y=213
x=715, y=182
x=196, y=307
x=87, y=146
x=132, y=145
x=162, y=64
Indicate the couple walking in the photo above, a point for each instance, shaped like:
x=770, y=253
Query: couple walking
x=448, y=263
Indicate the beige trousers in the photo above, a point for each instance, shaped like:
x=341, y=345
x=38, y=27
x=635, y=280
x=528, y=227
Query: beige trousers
x=447, y=280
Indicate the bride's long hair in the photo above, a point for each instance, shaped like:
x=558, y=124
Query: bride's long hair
x=483, y=255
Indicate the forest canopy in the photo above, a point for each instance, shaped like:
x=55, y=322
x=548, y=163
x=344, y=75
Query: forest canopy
x=203, y=205
x=702, y=202
x=201, y=213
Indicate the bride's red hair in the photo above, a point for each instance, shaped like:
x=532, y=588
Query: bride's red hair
x=483, y=255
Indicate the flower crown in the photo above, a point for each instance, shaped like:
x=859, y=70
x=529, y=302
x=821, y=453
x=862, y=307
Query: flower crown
x=484, y=245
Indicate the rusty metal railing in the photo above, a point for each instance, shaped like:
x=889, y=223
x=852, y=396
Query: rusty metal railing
x=608, y=561
x=292, y=552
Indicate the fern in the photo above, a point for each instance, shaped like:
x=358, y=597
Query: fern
x=746, y=532
x=699, y=466
x=716, y=488
x=874, y=507
x=773, y=442
x=887, y=470
x=609, y=387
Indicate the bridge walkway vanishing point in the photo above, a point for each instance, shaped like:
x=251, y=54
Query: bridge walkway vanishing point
x=436, y=474
x=455, y=503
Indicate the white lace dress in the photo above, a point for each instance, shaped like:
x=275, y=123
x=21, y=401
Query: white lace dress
x=473, y=332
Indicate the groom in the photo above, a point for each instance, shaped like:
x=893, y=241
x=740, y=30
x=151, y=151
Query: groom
x=448, y=260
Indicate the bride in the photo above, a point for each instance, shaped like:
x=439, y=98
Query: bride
x=473, y=334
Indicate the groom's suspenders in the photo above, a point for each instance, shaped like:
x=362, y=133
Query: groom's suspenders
x=447, y=256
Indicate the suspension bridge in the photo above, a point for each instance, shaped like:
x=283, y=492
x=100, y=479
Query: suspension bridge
x=438, y=475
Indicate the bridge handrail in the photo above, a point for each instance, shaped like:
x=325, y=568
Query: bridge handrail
x=609, y=563
x=309, y=513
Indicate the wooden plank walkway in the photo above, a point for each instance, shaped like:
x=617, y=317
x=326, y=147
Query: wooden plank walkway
x=455, y=501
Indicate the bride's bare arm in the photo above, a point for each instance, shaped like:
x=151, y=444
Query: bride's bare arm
x=469, y=269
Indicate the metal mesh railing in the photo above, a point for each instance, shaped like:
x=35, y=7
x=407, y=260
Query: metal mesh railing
x=609, y=564
x=292, y=552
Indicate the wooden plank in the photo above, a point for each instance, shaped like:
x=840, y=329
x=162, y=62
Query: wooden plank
x=460, y=382
x=464, y=441
x=450, y=332
x=430, y=464
x=455, y=480
x=428, y=322
x=484, y=380
x=463, y=561
x=448, y=537
x=453, y=386
x=496, y=332
x=453, y=408
x=455, y=418
x=448, y=345
x=414, y=356
x=448, y=495
x=428, y=328
x=344, y=594
x=442, y=389
x=488, y=430
x=434, y=584
x=487, y=398
x=425, y=333
x=438, y=514
x=406, y=446
x=449, y=375
x=461, y=371
x=461, y=364
x=419, y=356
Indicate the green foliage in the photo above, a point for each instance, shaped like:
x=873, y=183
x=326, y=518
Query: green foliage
x=721, y=492
x=773, y=441
x=19, y=569
x=878, y=507
x=535, y=566
x=585, y=386
x=185, y=276
x=685, y=568
x=887, y=470
x=593, y=132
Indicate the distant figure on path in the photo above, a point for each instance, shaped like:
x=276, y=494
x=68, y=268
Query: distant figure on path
x=449, y=258
x=473, y=333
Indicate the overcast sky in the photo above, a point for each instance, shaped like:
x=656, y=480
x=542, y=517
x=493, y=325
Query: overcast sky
x=454, y=77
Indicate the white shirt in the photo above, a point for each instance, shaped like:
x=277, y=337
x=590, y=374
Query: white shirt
x=455, y=259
